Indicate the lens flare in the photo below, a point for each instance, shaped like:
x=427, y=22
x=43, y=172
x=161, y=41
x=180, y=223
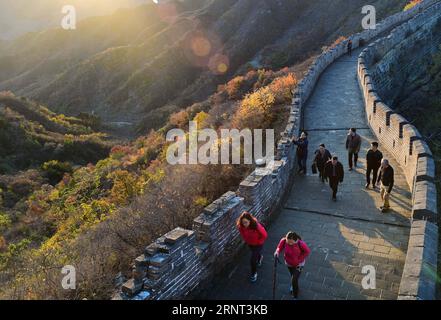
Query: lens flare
x=204, y=49
x=167, y=12
x=201, y=46
x=219, y=64
x=222, y=68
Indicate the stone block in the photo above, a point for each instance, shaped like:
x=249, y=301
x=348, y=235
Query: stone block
x=424, y=201
x=142, y=261
x=143, y=295
x=425, y=169
x=175, y=235
x=151, y=249
x=159, y=260
x=131, y=287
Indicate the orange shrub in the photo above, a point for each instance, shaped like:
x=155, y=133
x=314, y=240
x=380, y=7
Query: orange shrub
x=202, y=119
x=338, y=41
x=282, y=88
x=179, y=119
x=411, y=4
x=118, y=152
x=257, y=108
x=233, y=87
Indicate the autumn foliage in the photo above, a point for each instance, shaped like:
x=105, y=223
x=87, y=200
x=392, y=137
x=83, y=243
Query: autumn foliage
x=257, y=109
x=411, y=4
x=99, y=216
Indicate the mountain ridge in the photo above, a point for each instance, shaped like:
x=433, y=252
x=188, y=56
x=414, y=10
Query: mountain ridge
x=156, y=68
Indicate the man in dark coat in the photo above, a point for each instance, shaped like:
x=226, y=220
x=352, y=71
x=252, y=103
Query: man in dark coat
x=373, y=161
x=302, y=151
x=386, y=178
x=322, y=156
x=335, y=174
x=353, y=144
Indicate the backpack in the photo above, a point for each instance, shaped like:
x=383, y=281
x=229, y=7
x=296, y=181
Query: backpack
x=298, y=243
x=264, y=227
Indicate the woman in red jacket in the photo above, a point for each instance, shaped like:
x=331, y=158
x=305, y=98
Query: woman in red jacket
x=254, y=235
x=296, y=251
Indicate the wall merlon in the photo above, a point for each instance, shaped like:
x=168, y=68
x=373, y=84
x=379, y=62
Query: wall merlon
x=421, y=149
x=398, y=120
x=420, y=266
x=424, y=201
x=410, y=132
x=425, y=169
x=383, y=110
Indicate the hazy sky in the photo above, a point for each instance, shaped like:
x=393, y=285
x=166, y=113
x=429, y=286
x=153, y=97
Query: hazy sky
x=20, y=16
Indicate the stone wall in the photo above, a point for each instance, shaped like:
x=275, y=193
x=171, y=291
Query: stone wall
x=182, y=260
x=405, y=143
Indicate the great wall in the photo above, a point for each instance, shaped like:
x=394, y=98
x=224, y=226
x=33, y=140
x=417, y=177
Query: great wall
x=407, y=146
x=181, y=263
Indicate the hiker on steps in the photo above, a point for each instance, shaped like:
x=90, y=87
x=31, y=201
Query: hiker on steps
x=295, y=253
x=254, y=235
x=386, y=178
x=335, y=174
x=350, y=47
x=353, y=144
x=302, y=151
x=373, y=162
x=322, y=156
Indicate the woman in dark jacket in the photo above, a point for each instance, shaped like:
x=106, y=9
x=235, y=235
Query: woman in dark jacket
x=322, y=156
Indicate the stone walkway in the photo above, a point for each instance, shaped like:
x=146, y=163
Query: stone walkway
x=345, y=235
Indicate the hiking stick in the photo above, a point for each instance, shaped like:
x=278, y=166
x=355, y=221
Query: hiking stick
x=276, y=262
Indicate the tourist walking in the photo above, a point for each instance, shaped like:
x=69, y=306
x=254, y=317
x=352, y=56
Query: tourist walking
x=386, y=178
x=322, y=156
x=254, y=235
x=302, y=151
x=335, y=174
x=295, y=253
x=350, y=47
x=373, y=162
x=353, y=144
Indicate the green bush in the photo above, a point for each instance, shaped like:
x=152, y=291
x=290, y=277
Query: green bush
x=5, y=221
x=55, y=170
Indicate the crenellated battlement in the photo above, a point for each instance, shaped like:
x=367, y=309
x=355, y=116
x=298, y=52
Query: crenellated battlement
x=376, y=66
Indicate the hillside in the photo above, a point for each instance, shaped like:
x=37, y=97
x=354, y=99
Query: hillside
x=30, y=135
x=98, y=216
x=39, y=147
x=165, y=57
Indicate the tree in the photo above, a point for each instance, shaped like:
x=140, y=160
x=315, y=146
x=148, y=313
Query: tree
x=5, y=221
x=55, y=170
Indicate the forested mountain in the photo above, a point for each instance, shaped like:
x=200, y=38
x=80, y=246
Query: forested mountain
x=31, y=134
x=137, y=66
